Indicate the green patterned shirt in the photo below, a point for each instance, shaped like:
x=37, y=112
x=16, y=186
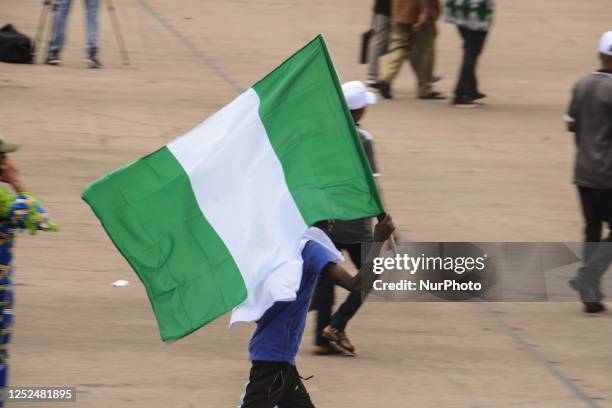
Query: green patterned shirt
x=473, y=14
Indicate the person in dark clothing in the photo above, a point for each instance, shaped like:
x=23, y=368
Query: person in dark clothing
x=473, y=20
x=589, y=117
x=330, y=335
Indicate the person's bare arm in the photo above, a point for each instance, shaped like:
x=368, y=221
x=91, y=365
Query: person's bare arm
x=337, y=275
x=396, y=234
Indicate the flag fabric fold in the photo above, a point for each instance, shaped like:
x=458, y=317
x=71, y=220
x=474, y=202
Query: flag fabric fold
x=216, y=219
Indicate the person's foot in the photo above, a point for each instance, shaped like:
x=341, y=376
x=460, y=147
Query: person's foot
x=463, y=102
x=331, y=350
x=432, y=95
x=53, y=58
x=435, y=78
x=478, y=95
x=338, y=338
x=594, y=307
x=385, y=89
x=93, y=62
x=372, y=83
x=588, y=295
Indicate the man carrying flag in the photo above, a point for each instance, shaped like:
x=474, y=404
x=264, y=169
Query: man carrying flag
x=220, y=218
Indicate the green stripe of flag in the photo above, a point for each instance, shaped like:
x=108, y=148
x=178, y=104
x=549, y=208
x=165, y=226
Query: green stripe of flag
x=149, y=211
x=312, y=131
x=215, y=219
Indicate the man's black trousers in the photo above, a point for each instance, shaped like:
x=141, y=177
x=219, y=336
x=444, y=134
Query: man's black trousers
x=473, y=43
x=597, y=210
x=324, y=297
x=275, y=384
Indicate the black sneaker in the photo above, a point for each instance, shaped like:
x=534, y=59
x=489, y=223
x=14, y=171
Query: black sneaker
x=463, y=102
x=53, y=58
x=385, y=89
x=93, y=62
x=588, y=296
x=594, y=307
x=478, y=95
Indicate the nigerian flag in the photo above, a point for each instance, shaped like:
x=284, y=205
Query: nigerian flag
x=215, y=219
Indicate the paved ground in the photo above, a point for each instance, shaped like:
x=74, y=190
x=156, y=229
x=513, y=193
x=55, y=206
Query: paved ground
x=498, y=173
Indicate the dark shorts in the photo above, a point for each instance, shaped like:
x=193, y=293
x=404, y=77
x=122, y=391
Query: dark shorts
x=275, y=384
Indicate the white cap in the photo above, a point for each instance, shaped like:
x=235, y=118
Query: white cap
x=357, y=95
x=605, y=45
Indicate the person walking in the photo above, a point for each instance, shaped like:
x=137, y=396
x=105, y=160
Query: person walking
x=473, y=20
x=58, y=33
x=274, y=380
x=413, y=35
x=330, y=334
x=18, y=211
x=589, y=117
x=381, y=27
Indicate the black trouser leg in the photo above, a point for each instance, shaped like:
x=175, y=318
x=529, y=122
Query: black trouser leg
x=592, y=212
x=323, y=302
x=353, y=302
x=597, y=209
x=274, y=384
x=297, y=396
x=473, y=42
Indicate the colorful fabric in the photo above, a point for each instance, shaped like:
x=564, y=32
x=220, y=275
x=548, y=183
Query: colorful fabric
x=215, y=219
x=16, y=213
x=473, y=14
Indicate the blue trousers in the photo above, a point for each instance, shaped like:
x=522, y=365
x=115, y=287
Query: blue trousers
x=60, y=18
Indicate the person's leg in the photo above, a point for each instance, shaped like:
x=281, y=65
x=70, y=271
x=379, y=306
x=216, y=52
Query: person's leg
x=378, y=44
x=597, y=256
x=353, y=302
x=296, y=395
x=478, y=42
x=58, y=28
x=473, y=43
x=399, y=42
x=323, y=302
x=268, y=383
x=422, y=56
x=593, y=219
x=606, y=205
x=603, y=257
x=6, y=323
x=91, y=10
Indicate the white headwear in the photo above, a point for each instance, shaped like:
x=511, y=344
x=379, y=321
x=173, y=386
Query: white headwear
x=357, y=95
x=605, y=44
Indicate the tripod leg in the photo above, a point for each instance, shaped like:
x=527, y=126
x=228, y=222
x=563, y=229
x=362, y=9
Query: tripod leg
x=42, y=21
x=117, y=31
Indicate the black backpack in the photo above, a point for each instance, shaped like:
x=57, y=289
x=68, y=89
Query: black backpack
x=14, y=46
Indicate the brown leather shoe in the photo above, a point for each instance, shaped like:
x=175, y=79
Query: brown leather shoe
x=339, y=338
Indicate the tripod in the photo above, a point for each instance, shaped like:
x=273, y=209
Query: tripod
x=51, y=5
